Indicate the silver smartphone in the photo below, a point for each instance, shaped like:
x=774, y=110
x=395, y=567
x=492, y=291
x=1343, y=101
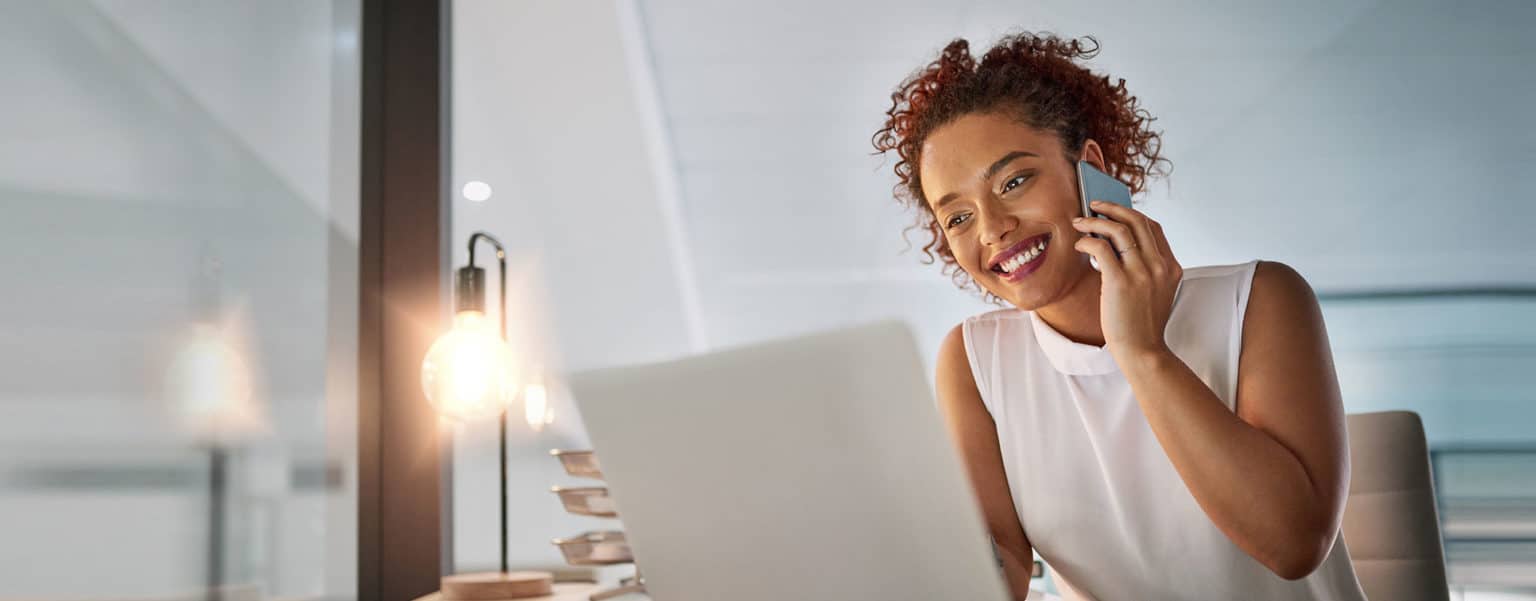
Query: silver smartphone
x=1093, y=184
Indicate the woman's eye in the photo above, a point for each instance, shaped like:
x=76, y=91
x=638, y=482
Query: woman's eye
x=1017, y=181
x=957, y=219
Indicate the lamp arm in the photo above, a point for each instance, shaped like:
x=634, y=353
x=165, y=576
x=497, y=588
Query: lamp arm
x=501, y=259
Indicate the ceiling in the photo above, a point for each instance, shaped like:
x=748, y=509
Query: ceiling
x=1372, y=145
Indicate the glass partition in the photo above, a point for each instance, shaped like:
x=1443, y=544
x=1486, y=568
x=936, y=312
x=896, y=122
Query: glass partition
x=179, y=234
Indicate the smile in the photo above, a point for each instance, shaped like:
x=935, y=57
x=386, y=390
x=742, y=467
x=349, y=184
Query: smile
x=1020, y=259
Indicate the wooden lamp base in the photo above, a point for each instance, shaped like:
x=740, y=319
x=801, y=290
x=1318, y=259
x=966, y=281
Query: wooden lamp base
x=496, y=586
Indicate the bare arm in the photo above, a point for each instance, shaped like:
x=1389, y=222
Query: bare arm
x=1274, y=475
x=975, y=436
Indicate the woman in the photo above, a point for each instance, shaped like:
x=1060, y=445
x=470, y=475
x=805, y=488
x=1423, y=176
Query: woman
x=1154, y=432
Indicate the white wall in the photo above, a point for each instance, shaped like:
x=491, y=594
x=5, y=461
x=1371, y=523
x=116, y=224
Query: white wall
x=550, y=111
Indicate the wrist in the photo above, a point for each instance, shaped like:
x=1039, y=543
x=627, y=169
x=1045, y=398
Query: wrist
x=1144, y=359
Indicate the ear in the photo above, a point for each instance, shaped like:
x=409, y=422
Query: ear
x=1093, y=154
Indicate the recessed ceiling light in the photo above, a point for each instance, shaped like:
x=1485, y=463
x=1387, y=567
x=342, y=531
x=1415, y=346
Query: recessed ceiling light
x=477, y=191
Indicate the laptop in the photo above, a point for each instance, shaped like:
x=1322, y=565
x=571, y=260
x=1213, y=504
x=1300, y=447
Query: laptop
x=814, y=468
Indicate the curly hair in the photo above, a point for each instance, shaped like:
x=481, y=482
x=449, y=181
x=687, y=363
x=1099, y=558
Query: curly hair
x=1035, y=78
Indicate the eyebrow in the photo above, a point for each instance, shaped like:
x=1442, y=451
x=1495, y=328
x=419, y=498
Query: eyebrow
x=991, y=171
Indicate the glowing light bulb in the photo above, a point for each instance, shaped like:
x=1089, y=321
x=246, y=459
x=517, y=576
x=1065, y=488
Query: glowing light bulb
x=469, y=372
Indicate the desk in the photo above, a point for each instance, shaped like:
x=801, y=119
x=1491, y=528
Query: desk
x=579, y=591
x=565, y=591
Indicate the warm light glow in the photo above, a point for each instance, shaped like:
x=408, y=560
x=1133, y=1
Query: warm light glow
x=469, y=372
x=536, y=409
x=207, y=374
x=209, y=385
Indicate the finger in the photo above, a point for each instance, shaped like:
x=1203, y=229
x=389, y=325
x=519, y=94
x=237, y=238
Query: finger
x=1119, y=234
x=1100, y=249
x=1137, y=221
x=1149, y=234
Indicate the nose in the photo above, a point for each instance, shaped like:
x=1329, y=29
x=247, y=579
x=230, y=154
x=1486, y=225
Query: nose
x=995, y=223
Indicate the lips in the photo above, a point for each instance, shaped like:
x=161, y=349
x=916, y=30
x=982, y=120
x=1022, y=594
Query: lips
x=1015, y=257
x=1022, y=246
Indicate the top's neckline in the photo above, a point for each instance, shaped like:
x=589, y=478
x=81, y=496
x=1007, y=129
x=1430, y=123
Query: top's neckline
x=1068, y=357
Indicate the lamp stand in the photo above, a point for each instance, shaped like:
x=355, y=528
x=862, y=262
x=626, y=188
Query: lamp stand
x=469, y=293
x=502, y=455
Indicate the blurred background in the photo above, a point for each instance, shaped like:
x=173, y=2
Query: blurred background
x=179, y=220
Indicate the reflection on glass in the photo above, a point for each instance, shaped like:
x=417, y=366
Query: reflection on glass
x=166, y=448
x=209, y=385
x=536, y=409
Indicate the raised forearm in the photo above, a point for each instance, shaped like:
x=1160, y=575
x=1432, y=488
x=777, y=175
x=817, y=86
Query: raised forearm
x=1252, y=487
x=1018, y=568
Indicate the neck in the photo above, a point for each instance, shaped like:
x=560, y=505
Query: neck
x=1076, y=314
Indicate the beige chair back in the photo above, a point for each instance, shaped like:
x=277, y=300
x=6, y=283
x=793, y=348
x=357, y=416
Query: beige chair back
x=1390, y=521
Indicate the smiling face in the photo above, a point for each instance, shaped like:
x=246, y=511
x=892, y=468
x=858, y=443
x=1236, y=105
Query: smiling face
x=1004, y=194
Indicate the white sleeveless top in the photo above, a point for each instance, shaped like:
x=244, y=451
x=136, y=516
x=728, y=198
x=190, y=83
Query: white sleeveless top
x=1098, y=498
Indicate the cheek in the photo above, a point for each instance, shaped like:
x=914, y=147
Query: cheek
x=962, y=250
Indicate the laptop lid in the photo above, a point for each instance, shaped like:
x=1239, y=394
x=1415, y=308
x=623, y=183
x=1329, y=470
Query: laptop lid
x=810, y=468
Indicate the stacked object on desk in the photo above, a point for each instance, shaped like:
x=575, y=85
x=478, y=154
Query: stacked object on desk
x=597, y=547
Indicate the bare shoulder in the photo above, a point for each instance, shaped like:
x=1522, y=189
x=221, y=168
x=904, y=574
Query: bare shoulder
x=1273, y=280
x=1280, y=299
x=954, y=368
x=1286, y=365
x=954, y=343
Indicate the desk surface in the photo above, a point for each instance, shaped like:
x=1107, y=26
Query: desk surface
x=581, y=590
x=564, y=591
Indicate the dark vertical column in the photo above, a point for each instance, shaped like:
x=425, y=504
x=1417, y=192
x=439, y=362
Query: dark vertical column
x=218, y=495
x=401, y=295
x=445, y=245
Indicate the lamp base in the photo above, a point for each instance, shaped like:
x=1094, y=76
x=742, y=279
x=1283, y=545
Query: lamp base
x=495, y=586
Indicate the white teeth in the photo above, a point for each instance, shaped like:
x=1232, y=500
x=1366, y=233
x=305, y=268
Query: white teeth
x=1020, y=259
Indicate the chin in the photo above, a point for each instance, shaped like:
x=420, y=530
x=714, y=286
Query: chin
x=1030, y=294
x=1029, y=303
